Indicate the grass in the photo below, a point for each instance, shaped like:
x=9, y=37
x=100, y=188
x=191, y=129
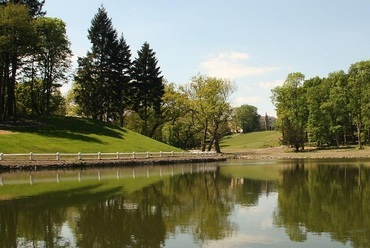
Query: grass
x=72, y=135
x=253, y=140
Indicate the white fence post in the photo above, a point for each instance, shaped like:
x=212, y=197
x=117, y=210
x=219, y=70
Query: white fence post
x=99, y=155
x=1, y=156
x=133, y=155
x=31, y=156
x=79, y=156
x=147, y=154
x=58, y=156
x=117, y=155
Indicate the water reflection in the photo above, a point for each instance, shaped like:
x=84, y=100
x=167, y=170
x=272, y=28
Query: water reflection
x=238, y=204
x=331, y=199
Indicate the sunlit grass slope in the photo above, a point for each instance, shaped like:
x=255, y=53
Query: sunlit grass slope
x=251, y=140
x=68, y=134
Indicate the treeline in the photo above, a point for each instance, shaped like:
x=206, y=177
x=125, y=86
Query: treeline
x=34, y=59
x=108, y=84
x=110, y=87
x=330, y=111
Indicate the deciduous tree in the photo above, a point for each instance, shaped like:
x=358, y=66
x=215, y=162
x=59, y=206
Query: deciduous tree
x=359, y=82
x=247, y=118
x=291, y=108
x=209, y=99
x=17, y=36
x=53, y=57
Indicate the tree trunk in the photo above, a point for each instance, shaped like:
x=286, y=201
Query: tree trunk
x=204, y=142
x=121, y=119
x=217, y=145
x=359, y=126
x=11, y=88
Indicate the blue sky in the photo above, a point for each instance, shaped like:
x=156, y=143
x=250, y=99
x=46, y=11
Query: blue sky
x=255, y=44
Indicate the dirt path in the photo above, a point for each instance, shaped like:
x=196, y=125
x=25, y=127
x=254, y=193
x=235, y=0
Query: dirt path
x=284, y=153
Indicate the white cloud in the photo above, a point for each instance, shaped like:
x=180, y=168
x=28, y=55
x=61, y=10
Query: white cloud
x=232, y=65
x=270, y=85
x=244, y=240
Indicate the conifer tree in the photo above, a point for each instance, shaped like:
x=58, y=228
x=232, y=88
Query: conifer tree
x=103, y=74
x=122, y=67
x=147, y=86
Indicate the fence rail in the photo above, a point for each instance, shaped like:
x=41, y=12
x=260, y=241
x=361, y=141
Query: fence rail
x=99, y=155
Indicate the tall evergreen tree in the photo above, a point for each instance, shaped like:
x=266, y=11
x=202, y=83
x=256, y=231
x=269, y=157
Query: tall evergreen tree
x=122, y=67
x=103, y=74
x=147, y=86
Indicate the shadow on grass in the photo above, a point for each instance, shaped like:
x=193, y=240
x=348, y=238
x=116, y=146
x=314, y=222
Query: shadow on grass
x=70, y=127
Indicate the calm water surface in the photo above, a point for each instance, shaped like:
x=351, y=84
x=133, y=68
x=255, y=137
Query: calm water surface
x=323, y=203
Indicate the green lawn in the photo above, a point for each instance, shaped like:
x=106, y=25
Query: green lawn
x=72, y=135
x=251, y=140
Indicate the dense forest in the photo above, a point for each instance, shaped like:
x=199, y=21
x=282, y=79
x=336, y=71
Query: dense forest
x=330, y=111
x=112, y=85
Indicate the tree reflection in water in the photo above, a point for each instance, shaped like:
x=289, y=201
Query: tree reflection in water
x=328, y=199
x=189, y=203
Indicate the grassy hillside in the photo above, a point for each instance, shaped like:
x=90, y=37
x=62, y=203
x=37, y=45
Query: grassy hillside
x=251, y=140
x=68, y=134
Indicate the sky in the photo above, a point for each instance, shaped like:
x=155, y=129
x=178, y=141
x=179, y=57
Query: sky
x=254, y=44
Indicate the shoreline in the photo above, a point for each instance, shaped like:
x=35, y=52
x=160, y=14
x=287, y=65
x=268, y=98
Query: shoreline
x=270, y=153
x=309, y=153
x=37, y=165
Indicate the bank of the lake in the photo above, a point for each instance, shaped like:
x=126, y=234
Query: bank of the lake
x=309, y=153
x=15, y=165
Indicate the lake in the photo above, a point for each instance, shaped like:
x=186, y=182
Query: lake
x=237, y=203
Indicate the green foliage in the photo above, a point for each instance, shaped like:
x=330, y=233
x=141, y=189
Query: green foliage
x=147, y=87
x=52, y=58
x=34, y=6
x=359, y=83
x=17, y=37
x=181, y=129
x=208, y=98
x=30, y=103
x=68, y=134
x=103, y=74
x=327, y=110
x=291, y=108
x=247, y=118
x=33, y=48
